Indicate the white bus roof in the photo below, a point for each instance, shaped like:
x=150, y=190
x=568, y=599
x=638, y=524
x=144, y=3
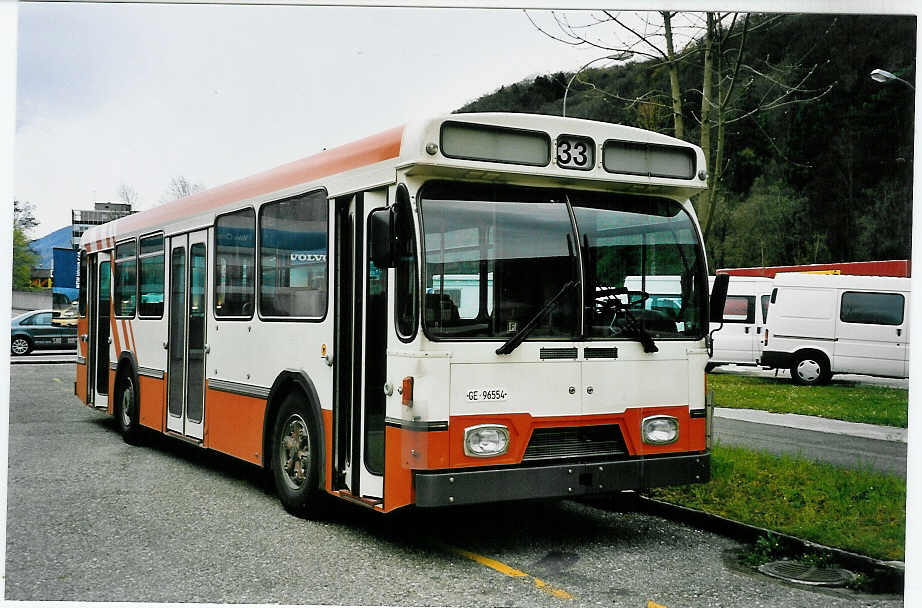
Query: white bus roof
x=375, y=161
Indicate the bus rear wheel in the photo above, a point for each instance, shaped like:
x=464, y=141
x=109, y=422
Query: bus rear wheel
x=127, y=411
x=296, y=458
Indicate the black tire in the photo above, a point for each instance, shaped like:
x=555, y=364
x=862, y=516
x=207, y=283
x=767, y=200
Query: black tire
x=708, y=367
x=810, y=369
x=295, y=458
x=21, y=345
x=127, y=411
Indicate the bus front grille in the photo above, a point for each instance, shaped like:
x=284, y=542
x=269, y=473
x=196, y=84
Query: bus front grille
x=575, y=442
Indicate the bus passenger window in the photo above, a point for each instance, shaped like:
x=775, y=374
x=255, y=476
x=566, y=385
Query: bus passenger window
x=126, y=275
x=235, y=256
x=150, y=284
x=293, y=257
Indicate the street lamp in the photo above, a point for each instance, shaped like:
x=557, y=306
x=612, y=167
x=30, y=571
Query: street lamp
x=880, y=75
x=622, y=56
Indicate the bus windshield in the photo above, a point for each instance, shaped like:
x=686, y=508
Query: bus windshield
x=496, y=254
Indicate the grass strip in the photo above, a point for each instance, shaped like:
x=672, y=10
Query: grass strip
x=856, y=510
x=842, y=401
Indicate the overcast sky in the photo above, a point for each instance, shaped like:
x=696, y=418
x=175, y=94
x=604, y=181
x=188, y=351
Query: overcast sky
x=112, y=94
x=138, y=94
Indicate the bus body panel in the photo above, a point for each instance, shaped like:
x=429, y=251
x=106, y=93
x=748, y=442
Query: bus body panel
x=151, y=394
x=81, y=386
x=234, y=424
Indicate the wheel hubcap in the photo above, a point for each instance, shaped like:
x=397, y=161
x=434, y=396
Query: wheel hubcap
x=20, y=346
x=295, y=452
x=126, y=404
x=808, y=370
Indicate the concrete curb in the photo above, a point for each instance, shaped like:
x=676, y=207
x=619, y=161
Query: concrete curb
x=41, y=361
x=890, y=574
x=815, y=423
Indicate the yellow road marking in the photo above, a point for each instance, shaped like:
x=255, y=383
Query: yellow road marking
x=510, y=571
x=652, y=604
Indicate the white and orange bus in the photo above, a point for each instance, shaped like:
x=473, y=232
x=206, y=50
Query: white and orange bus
x=435, y=315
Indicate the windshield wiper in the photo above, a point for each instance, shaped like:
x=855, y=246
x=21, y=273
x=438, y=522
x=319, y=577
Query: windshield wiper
x=519, y=337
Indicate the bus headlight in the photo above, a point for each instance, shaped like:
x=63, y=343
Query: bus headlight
x=659, y=430
x=486, y=440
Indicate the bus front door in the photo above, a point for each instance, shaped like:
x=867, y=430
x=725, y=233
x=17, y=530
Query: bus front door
x=186, y=342
x=100, y=273
x=361, y=347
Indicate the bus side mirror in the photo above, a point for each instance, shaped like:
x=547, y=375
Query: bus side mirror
x=719, y=298
x=381, y=238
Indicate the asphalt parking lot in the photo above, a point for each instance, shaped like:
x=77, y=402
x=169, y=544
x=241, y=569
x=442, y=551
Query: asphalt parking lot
x=91, y=518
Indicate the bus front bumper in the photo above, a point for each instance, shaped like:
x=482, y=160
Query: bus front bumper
x=559, y=480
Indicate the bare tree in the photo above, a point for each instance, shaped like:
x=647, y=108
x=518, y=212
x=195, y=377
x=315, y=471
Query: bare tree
x=718, y=42
x=24, y=216
x=127, y=194
x=181, y=187
x=726, y=66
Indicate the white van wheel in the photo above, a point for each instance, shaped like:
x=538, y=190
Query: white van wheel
x=810, y=370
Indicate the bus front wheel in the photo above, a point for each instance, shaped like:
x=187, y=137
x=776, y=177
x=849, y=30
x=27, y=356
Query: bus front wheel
x=296, y=458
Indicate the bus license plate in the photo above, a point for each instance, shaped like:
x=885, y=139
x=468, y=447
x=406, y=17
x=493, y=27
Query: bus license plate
x=486, y=395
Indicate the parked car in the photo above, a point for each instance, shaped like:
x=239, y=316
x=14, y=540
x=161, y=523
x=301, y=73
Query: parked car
x=820, y=325
x=739, y=340
x=65, y=317
x=35, y=330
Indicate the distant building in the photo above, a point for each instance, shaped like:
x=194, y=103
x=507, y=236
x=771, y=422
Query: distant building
x=102, y=212
x=40, y=277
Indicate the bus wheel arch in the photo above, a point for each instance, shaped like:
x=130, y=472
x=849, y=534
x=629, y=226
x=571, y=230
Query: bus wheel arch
x=293, y=404
x=128, y=399
x=810, y=367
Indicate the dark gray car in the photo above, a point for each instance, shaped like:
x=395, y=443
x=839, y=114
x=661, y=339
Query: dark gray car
x=35, y=330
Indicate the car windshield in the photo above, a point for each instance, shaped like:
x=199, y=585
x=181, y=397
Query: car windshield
x=496, y=254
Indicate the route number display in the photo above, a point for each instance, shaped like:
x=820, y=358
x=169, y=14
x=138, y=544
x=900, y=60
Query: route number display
x=575, y=152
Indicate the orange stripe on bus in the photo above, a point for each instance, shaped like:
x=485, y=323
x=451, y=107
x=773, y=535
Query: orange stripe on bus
x=125, y=335
x=134, y=345
x=81, y=382
x=327, y=416
x=398, y=480
x=83, y=325
x=363, y=152
x=114, y=334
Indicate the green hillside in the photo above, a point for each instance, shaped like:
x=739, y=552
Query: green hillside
x=822, y=173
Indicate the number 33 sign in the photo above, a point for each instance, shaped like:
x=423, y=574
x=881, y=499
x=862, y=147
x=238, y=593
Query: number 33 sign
x=575, y=152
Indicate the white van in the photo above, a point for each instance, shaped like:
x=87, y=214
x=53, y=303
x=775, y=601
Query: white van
x=739, y=340
x=820, y=325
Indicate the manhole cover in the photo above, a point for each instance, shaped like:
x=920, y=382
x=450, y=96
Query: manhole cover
x=805, y=574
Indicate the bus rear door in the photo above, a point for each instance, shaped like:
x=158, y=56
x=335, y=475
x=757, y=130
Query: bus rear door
x=186, y=342
x=100, y=275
